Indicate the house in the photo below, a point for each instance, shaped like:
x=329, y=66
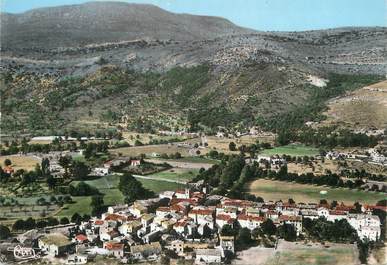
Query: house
x=372, y=233
x=77, y=259
x=114, y=248
x=108, y=235
x=208, y=256
x=55, y=244
x=183, y=194
x=137, y=209
x=323, y=212
x=147, y=219
x=145, y=251
x=223, y=219
x=81, y=239
x=177, y=246
x=295, y=221
x=250, y=222
x=100, y=171
x=336, y=215
x=117, y=208
x=129, y=227
x=202, y=215
x=135, y=162
x=227, y=244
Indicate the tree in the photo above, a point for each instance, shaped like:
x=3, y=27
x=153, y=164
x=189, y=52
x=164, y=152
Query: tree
x=4, y=232
x=244, y=237
x=45, y=166
x=65, y=162
x=232, y=146
x=287, y=232
x=97, y=205
x=132, y=189
x=227, y=230
x=64, y=221
x=76, y=218
x=363, y=247
x=18, y=225
x=7, y=162
x=79, y=170
x=51, y=182
x=268, y=227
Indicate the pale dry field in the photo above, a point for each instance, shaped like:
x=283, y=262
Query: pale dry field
x=362, y=108
x=21, y=161
x=297, y=253
x=149, y=149
x=319, y=167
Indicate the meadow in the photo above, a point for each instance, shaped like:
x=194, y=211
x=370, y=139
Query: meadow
x=292, y=150
x=332, y=256
x=281, y=190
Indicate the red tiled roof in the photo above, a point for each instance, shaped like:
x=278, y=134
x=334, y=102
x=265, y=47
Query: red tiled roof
x=202, y=211
x=374, y=207
x=251, y=218
x=238, y=203
x=337, y=212
x=289, y=218
x=115, y=217
x=223, y=217
x=81, y=237
x=98, y=222
x=114, y=246
x=163, y=209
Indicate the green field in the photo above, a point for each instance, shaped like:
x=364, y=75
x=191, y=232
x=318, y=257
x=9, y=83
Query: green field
x=198, y=159
x=107, y=185
x=176, y=174
x=160, y=186
x=281, y=190
x=292, y=150
x=332, y=256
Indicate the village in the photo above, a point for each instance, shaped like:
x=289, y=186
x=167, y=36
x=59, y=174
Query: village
x=185, y=224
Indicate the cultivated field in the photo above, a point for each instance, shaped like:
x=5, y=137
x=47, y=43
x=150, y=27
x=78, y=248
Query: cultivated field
x=280, y=190
x=21, y=161
x=292, y=150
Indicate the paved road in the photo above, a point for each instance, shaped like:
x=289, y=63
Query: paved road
x=160, y=179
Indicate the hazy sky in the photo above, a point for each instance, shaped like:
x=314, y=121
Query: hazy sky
x=286, y=15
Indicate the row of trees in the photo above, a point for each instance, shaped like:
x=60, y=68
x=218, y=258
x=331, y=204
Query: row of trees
x=327, y=137
x=31, y=223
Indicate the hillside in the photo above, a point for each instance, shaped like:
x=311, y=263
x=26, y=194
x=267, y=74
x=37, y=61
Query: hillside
x=360, y=109
x=101, y=64
x=101, y=22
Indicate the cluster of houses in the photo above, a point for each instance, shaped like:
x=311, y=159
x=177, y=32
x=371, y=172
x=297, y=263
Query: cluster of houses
x=372, y=156
x=107, y=167
x=187, y=223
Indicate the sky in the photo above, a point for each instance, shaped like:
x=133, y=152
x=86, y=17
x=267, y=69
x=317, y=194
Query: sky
x=266, y=15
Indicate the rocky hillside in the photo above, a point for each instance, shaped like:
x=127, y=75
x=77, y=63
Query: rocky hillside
x=85, y=66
